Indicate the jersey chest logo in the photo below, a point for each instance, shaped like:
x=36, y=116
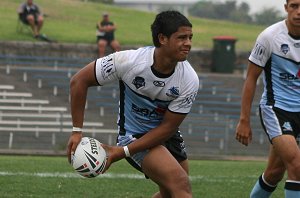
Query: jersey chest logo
x=285, y=48
x=138, y=82
x=173, y=92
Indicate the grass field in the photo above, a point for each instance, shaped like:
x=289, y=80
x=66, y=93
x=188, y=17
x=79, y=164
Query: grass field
x=74, y=21
x=28, y=176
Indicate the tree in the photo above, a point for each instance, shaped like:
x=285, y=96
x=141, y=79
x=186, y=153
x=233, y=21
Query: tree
x=267, y=16
x=228, y=10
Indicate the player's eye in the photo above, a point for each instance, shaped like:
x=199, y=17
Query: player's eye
x=294, y=6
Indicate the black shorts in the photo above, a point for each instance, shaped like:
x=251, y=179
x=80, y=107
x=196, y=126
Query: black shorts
x=175, y=146
x=108, y=39
x=23, y=18
x=277, y=122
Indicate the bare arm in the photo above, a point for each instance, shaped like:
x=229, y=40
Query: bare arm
x=79, y=85
x=151, y=139
x=159, y=134
x=243, y=130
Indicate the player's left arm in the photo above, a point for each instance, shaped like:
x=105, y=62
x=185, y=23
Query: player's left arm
x=154, y=137
x=158, y=135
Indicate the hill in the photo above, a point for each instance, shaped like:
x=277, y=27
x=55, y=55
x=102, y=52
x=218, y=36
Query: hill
x=74, y=21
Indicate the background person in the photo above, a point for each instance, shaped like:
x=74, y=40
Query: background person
x=277, y=54
x=153, y=103
x=106, y=35
x=30, y=14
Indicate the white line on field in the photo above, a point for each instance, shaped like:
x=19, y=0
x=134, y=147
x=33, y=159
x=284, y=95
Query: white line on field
x=126, y=176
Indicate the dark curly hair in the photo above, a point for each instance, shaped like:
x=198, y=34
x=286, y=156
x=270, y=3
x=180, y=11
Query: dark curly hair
x=167, y=23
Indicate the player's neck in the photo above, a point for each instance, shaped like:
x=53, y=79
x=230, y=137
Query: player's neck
x=162, y=63
x=294, y=31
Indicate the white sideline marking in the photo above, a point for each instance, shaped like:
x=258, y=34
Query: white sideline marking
x=72, y=175
x=126, y=176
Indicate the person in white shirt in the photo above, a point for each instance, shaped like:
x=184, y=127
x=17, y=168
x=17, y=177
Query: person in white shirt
x=157, y=90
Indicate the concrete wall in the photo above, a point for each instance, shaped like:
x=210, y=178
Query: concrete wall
x=201, y=59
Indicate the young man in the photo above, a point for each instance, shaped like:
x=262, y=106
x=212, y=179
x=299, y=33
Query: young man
x=277, y=54
x=30, y=14
x=106, y=35
x=157, y=89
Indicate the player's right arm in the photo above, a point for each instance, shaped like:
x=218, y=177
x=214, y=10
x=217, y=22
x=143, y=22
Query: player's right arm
x=243, y=130
x=79, y=85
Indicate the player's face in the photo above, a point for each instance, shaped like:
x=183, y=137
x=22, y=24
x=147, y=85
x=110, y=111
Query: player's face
x=180, y=43
x=293, y=10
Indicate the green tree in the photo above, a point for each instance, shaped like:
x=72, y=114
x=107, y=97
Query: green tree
x=228, y=10
x=267, y=16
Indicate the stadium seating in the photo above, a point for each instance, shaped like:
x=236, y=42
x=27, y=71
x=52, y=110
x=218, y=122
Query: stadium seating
x=35, y=113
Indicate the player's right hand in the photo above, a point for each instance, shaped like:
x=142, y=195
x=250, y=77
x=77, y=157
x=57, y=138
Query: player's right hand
x=74, y=140
x=113, y=153
x=243, y=133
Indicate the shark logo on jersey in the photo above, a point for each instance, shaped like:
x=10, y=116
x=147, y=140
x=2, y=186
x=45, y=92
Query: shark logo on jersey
x=285, y=48
x=173, y=92
x=287, y=126
x=138, y=82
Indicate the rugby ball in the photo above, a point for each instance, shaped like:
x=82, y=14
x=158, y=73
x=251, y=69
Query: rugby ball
x=89, y=158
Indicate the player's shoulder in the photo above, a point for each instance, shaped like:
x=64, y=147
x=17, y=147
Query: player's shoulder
x=188, y=72
x=135, y=55
x=273, y=30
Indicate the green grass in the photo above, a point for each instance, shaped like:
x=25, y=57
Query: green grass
x=74, y=21
x=27, y=176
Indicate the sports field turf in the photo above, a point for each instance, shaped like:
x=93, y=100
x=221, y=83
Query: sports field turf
x=28, y=176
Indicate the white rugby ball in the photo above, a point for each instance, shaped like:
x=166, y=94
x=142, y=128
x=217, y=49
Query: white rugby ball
x=89, y=158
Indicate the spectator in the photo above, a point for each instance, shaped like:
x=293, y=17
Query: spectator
x=105, y=35
x=30, y=14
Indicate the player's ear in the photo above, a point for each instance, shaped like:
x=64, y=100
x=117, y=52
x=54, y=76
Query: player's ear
x=162, y=39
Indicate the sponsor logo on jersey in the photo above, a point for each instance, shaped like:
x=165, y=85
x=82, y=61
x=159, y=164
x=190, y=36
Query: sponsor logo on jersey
x=297, y=45
x=159, y=83
x=290, y=80
x=258, y=52
x=138, y=82
x=188, y=100
x=107, y=66
x=154, y=114
x=288, y=76
x=285, y=48
x=173, y=92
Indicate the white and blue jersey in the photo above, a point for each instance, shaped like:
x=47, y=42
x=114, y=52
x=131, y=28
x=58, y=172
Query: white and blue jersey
x=146, y=95
x=279, y=54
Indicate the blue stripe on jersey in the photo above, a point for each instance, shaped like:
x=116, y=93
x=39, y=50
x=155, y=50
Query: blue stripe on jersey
x=282, y=78
x=138, y=113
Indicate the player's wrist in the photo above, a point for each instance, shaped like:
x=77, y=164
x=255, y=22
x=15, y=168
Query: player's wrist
x=77, y=129
x=126, y=151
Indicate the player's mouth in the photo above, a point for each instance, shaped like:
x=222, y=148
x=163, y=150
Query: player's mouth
x=185, y=51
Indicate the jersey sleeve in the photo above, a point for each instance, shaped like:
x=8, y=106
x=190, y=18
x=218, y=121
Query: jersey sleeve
x=261, y=51
x=184, y=102
x=112, y=67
